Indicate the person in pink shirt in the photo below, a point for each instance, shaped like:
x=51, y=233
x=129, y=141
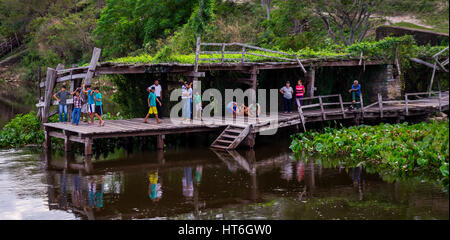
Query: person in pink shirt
x=299, y=93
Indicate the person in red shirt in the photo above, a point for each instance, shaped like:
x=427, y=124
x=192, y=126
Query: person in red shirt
x=299, y=93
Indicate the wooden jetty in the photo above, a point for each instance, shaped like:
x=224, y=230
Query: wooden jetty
x=240, y=131
x=243, y=130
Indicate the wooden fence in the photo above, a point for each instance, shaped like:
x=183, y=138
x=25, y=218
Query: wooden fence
x=243, y=52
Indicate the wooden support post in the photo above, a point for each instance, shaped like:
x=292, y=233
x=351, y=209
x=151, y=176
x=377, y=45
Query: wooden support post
x=92, y=65
x=406, y=104
x=321, y=108
x=439, y=99
x=249, y=140
x=197, y=53
x=223, y=52
x=47, y=140
x=311, y=82
x=160, y=142
x=243, y=54
x=50, y=82
x=432, y=78
x=362, y=104
x=67, y=143
x=341, y=103
x=254, y=79
x=380, y=104
x=88, y=155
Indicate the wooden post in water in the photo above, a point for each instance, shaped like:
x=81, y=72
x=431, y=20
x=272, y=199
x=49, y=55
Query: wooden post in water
x=67, y=143
x=88, y=155
x=160, y=142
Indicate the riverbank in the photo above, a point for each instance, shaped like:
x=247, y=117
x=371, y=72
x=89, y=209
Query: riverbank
x=394, y=150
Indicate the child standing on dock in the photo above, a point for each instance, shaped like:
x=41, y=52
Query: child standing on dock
x=152, y=105
x=90, y=102
x=287, y=92
x=158, y=92
x=77, y=103
x=98, y=106
x=198, y=105
x=299, y=93
x=61, y=97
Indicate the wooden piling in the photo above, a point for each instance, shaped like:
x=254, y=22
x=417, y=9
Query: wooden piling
x=160, y=142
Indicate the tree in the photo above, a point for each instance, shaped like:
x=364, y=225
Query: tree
x=267, y=4
x=347, y=21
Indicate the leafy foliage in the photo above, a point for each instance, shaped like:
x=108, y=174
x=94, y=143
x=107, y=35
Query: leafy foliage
x=128, y=26
x=22, y=130
x=400, y=149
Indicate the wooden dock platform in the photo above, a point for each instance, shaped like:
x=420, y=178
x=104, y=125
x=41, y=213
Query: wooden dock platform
x=243, y=130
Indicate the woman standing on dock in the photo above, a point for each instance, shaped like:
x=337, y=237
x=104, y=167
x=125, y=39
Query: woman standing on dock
x=299, y=93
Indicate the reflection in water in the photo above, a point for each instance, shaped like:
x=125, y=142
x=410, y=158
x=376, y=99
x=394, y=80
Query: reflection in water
x=199, y=185
x=154, y=190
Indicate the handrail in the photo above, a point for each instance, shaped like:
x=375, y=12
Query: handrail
x=243, y=52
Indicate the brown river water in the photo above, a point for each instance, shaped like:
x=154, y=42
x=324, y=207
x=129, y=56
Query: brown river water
x=197, y=183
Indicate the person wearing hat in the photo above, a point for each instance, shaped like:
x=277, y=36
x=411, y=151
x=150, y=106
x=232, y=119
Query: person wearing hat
x=287, y=92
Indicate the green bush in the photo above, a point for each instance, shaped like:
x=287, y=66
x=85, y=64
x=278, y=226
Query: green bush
x=22, y=130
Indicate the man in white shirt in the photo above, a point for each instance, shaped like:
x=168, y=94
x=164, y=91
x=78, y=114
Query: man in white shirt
x=158, y=92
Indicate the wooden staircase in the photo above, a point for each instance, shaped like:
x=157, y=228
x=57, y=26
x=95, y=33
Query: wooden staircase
x=231, y=137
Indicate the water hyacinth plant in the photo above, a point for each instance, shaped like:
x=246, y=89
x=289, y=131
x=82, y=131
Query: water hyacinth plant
x=402, y=149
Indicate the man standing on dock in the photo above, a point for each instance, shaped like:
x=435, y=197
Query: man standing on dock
x=61, y=97
x=356, y=94
x=158, y=92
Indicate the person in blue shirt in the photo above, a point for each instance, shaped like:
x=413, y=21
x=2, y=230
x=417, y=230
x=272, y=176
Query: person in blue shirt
x=98, y=106
x=90, y=102
x=356, y=94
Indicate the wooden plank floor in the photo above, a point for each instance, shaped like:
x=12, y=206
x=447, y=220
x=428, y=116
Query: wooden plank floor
x=135, y=126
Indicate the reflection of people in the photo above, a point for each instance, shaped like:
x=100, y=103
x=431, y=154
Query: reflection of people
x=198, y=174
x=188, y=185
x=300, y=170
x=287, y=171
x=62, y=197
x=76, y=191
x=356, y=179
x=99, y=193
x=95, y=192
x=154, y=189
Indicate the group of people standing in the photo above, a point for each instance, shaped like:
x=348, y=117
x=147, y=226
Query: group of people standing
x=87, y=102
x=288, y=92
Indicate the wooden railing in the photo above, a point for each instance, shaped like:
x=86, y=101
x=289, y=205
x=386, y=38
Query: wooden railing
x=8, y=45
x=243, y=52
x=322, y=104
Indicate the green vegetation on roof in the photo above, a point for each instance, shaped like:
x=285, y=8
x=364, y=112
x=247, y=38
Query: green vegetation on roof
x=381, y=50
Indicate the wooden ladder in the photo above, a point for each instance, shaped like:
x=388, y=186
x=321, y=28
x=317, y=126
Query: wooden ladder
x=231, y=137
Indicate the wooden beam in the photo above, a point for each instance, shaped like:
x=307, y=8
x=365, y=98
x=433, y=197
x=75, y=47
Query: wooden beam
x=380, y=104
x=194, y=74
x=92, y=65
x=50, y=83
